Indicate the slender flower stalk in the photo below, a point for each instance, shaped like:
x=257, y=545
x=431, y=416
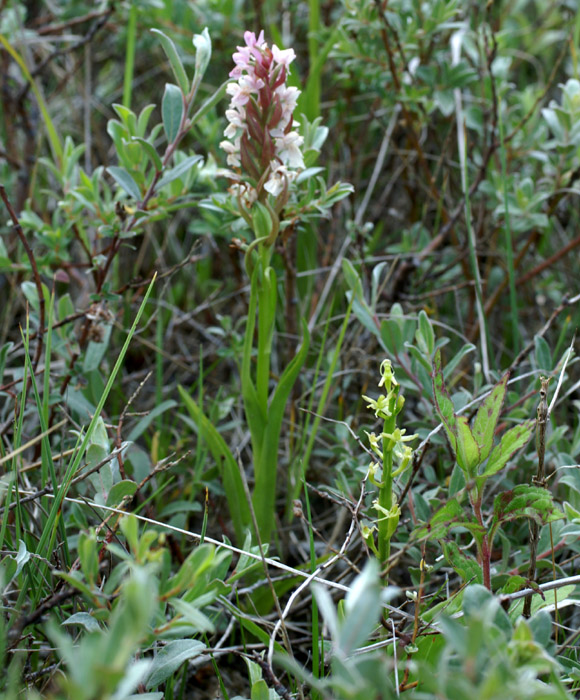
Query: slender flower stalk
x=263, y=152
x=392, y=440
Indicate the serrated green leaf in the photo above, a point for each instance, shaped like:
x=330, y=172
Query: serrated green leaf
x=443, y=404
x=125, y=180
x=538, y=602
x=512, y=441
x=172, y=111
x=465, y=565
x=524, y=501
x=468, y=456
x=487, y=416
x=174, y=60
x=513, y=584
x=449, y=516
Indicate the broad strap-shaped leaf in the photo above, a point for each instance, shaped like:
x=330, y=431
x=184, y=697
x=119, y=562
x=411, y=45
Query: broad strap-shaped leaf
x=464, y=564
x=525, y=501
x=443, y=404
x=449, y=516
x=468, y=456
x=487, y=416
x=512, y=441
x=227, y=465
x=255, y=415
x=264, y=495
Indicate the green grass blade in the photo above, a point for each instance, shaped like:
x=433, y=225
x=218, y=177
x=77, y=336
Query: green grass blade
x=314, y=78
x=53, y=139
x=265, y=469
x=79, y=454
x=509, y=241
x=317, y=669
x=130, y=55
x=323, y=398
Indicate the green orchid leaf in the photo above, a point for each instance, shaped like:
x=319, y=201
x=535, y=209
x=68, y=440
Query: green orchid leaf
x=229, y=470
x=264, y=491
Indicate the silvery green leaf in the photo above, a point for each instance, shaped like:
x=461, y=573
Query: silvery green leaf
x=172, y=111
x=202, y=43
x=170, y=658
x=174, y=60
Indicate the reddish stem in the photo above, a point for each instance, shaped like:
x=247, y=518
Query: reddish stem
x=485, y=549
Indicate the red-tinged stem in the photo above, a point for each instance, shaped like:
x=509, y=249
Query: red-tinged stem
x=485, y=549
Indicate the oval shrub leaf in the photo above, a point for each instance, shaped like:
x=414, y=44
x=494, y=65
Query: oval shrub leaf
x=172, y=111
x=125, y=180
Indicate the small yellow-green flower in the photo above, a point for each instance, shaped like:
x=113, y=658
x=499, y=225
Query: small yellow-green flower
x=403, y=453
x=380, y=406
x=387, y=375
x=374, y=443
x=372, y=474
x=391, y=515
x=390, y=440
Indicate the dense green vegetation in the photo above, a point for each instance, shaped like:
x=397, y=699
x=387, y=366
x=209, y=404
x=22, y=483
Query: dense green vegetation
x=288, y=386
